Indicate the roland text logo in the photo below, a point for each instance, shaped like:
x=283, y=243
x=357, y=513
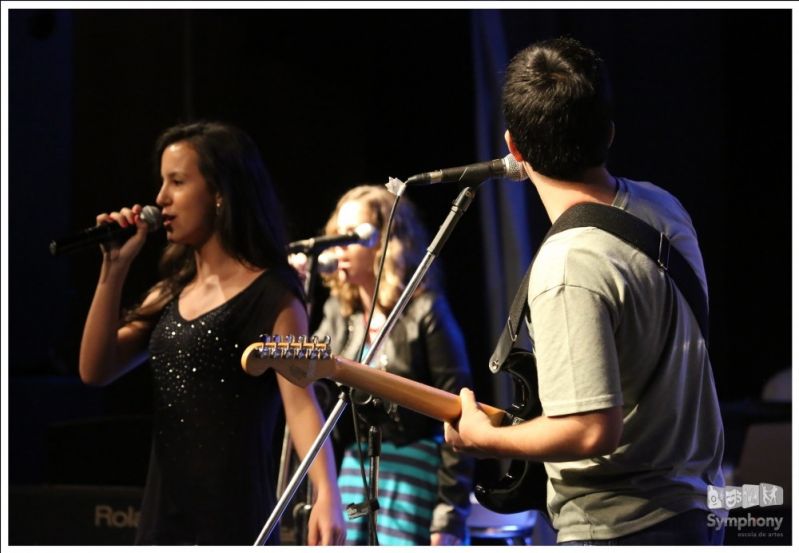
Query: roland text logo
x=107, y=516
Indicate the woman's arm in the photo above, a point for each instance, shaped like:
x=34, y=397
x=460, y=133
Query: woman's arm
x=106, y=350
x=304, y=420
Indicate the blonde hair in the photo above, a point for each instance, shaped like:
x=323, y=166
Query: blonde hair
x=406, y=248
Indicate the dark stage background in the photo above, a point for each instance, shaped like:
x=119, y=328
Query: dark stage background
x=336, y=98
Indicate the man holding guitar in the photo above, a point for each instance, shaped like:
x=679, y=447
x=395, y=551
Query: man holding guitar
x=631, y=432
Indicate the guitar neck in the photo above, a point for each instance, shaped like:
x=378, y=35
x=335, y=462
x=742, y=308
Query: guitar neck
x=407, y=393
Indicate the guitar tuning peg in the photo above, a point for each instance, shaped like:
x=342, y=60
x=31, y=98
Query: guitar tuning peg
x=259, y=351
x=325, y=353
x=300, y=352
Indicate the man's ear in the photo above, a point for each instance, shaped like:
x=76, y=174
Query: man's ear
x=512, y=147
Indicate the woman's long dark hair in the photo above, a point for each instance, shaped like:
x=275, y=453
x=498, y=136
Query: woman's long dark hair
x=249, y=219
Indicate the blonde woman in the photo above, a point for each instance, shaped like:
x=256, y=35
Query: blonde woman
x=424, y=485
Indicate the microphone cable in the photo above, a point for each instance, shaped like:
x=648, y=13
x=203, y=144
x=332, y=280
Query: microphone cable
x=386, y=234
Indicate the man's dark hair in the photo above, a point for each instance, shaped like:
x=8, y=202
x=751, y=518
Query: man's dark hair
x=556, y=103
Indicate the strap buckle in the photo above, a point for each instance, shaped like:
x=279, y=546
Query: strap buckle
x=513, y=336
x=664, y=251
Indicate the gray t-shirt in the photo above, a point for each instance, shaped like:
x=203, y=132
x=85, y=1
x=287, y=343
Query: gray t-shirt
x=609, y=328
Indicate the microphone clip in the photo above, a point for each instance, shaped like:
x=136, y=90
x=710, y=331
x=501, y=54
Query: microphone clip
x=396, y=186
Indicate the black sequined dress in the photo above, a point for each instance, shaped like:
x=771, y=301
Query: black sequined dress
x=211, y=478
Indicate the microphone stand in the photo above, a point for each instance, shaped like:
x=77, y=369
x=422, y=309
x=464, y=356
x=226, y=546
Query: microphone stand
x=302, y=510
x=375, y=439
x=459, y=207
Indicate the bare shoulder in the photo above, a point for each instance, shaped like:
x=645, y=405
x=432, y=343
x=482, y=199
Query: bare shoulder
x=292, y=317
x=153, y=295
x=140, y=326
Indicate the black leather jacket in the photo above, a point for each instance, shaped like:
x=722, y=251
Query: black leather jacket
x=425, y=345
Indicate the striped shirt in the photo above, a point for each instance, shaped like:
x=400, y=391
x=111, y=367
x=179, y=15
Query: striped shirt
x=407, y=492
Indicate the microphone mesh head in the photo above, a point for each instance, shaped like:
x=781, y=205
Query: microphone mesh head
x=368, y=234
x=513, y=169
x=327, y=262
x=152, y=216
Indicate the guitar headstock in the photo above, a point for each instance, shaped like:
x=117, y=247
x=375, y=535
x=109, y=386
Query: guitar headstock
x=300, y=360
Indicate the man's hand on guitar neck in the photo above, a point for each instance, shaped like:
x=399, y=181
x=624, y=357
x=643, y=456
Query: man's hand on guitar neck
x=471, y=431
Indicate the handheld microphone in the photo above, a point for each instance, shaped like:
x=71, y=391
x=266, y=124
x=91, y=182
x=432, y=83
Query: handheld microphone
x=327, y=263
x=106, y=232
x=507, y=168
x=364, y=234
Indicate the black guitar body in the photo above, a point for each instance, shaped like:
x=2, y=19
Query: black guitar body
x=524, y=485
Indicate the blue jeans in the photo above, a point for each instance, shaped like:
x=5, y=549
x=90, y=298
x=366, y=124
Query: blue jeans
x=688, y=528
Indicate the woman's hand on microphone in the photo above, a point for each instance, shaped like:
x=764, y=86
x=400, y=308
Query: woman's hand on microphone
x=300, y=263
x=125, y=217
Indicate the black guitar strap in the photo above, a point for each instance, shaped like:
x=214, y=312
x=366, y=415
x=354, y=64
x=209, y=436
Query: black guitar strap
x=632, y=230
